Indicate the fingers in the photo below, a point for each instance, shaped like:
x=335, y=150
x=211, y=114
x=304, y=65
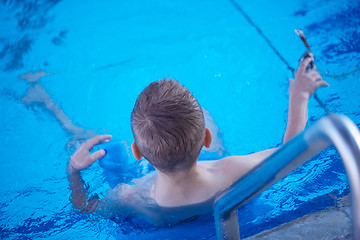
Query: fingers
x=96, y=155
x=96, y=140
x=317, y=77
x=314, y=75
x=322, y=83
x=303, y=65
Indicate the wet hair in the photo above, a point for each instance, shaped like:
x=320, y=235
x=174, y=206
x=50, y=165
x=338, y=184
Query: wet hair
x=168, y=126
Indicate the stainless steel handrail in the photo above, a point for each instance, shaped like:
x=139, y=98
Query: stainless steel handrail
x=336, y=130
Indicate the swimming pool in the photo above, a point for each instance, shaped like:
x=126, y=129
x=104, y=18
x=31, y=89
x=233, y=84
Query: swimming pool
x=100, y=56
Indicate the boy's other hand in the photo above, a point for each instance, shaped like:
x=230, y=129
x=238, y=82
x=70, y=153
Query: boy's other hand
x=305, y=83
x=82, y=158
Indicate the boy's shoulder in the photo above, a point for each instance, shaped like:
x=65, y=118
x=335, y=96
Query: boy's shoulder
x=230, y=168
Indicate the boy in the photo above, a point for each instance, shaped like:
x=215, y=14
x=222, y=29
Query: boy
x=169, y=131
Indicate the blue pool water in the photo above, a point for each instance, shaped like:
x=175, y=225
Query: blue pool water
x=100, y=56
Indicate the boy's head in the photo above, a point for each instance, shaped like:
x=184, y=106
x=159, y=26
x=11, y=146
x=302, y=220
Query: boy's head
x=168, y=126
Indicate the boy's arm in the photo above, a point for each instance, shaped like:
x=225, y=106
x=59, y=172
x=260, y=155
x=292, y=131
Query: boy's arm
x=300, y=91
x=82, y=159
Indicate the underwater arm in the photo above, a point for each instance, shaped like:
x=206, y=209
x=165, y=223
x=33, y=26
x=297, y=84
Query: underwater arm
x=80, y=160
x=300, y=91
x=79, y=195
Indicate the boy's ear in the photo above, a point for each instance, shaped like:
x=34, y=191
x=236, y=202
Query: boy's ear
x=135, y=151
x=208, y=138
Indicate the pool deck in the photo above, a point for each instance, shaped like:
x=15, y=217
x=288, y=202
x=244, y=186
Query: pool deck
x=334, y=223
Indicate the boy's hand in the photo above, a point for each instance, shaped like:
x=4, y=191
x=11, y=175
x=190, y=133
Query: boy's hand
x=82, y=158
x=305, y=83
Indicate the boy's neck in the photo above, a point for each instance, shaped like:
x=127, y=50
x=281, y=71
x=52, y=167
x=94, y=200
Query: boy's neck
x=179, y=178
x=176, y=188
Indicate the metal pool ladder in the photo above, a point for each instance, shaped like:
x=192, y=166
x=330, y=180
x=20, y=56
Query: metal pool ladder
x=336, y=130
